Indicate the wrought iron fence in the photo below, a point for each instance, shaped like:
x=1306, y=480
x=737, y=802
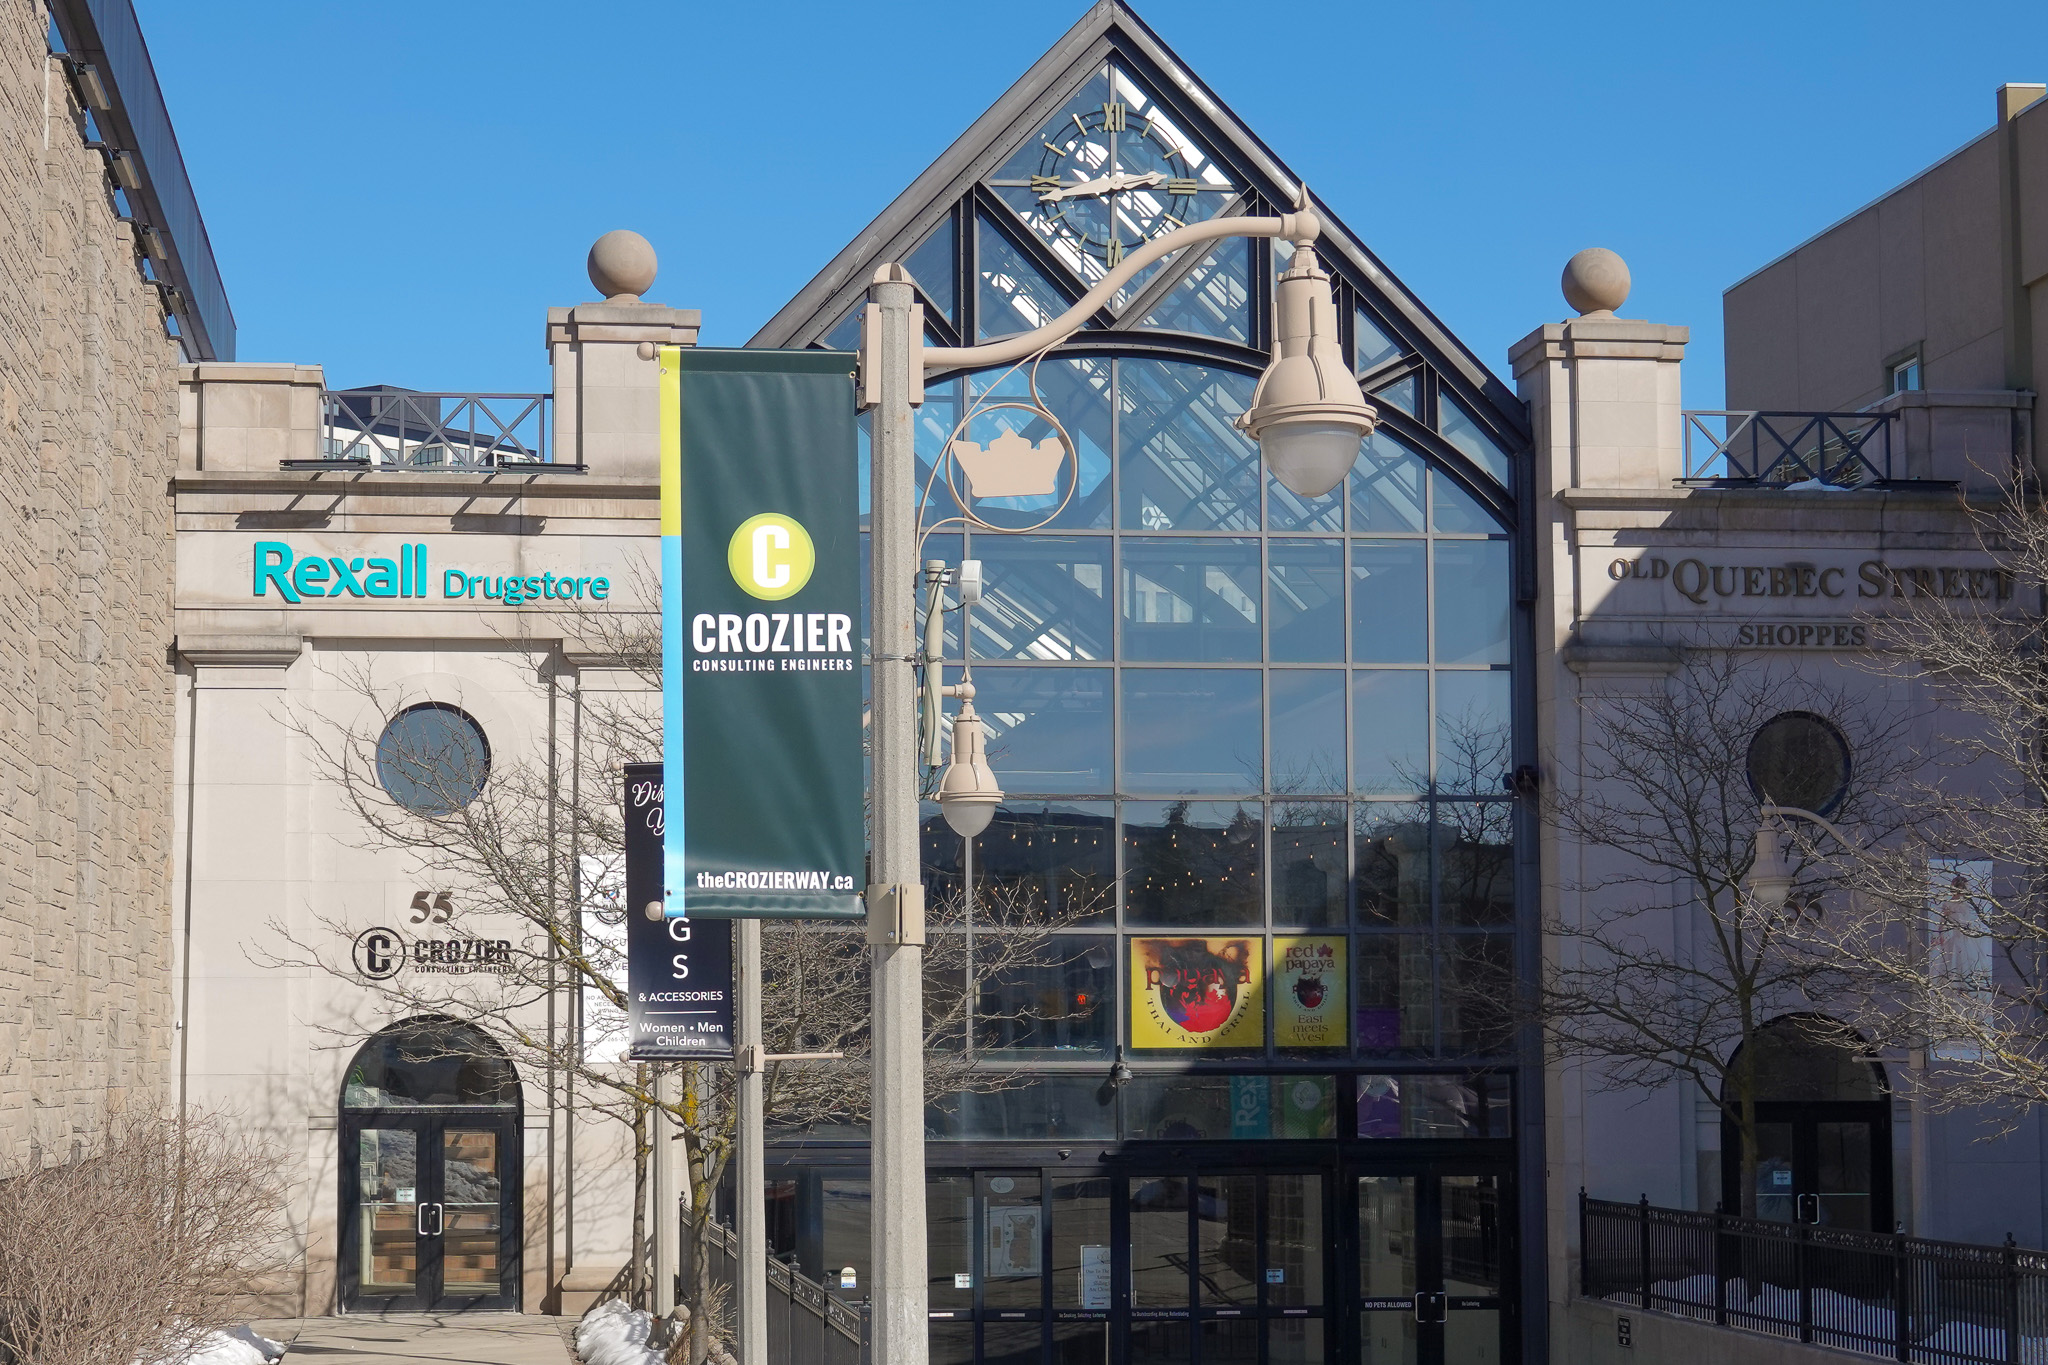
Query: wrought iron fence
x=1783, y=449
x=1895, y=1297
x=398, y=429
x=806, y=1324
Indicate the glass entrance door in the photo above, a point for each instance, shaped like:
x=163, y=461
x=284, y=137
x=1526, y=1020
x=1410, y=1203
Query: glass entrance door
x=1824, y=1163
x=1431, y=1269
x=429, y=1212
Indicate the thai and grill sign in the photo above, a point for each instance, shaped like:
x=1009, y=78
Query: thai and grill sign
x=1198, y=993
x=760, y=561
x=678, y=972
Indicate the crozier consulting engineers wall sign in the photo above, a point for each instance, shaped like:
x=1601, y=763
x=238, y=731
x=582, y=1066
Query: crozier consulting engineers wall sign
x=403, y=574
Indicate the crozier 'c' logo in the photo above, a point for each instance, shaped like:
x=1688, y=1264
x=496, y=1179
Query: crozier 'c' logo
x=379, y=953
x=771, y=556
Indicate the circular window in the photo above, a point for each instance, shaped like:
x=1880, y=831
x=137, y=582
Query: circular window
x=1799, y=759
x=433, y=759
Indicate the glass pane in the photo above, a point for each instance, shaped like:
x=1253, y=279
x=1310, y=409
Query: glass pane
x=1775, y=1193
x=1308, y=730
x=1214, y=300
x=1371, y=345
x=1073, y=145
x=1394, y=989
x=941, y=855
x=469, y=1212
x=1474, y=733
x=1080, y=1243
x=1390, y=731
x=1305, y=601
x=1056, y=860
x=1048, y=728
x=1012, y=1343
x=1389, y=588
x=1164, y=753
x=1185, y=466
x=1472, y=1334
x=1386, y=485
x=847, y=1219
x=1386, y=1268
x=1076, y=392
x=1453, y=510
x=1054, y=996
x=1843, y=1177
x=1294, y=1241
x=845, y=333
x=1183, y=1108
x=1159, y=1243
x=1405, y=394
x=1476, y=862
x=432, y=759
x=1472, y=592
x=1226, y=1239
x=1014, y=296
x=1294, y=1341
x=1160, y=1343
x=429, y=1063
x=1462, y=430
x=1309, y=863
x=1457, y=1107
x=1392, y=847
x=1082, y=1343
x=949, y=1237
x=1479, y=993
x=388, y=1175
x=1012, y=1252
x=1230, y=1341
x=1044, y=597
x=1191, y=600
x=1472, y=1224
x=952, y=1343
x=1193, y=863
x=930, y=263
x=1073, y=1107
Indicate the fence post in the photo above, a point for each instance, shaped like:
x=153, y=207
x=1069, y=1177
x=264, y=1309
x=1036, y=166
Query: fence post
x=1585, y=1248
x=1721, y=1259
x=1643, y=1246
x=1805, y=1288
x=1902, y=1289
x=2012, y=1301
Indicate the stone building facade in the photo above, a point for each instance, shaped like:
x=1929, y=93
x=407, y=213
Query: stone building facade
x=88, y=420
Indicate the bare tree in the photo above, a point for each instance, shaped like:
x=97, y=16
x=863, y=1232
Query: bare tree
x=1662, y=966
x=534, y=856
x=132, y=1248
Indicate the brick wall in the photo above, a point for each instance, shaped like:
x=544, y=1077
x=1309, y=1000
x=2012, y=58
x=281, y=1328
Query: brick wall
x=88, y=414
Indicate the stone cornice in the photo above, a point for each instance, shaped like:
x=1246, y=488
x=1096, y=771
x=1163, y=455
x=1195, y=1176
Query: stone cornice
x=578, y=487
x=240, y=651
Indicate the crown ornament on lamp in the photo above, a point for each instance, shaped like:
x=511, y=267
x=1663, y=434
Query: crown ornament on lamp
x=1011, y=466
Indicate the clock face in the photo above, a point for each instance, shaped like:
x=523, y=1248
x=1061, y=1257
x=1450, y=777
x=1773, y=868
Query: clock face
x=1107, y=180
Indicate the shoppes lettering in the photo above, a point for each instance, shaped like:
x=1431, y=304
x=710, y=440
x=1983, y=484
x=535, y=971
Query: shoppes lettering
x=1702, y=583
x=406, y=576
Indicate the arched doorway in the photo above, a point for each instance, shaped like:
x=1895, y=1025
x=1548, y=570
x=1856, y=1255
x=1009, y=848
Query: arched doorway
x=430, y=1166
x=1824, y=1137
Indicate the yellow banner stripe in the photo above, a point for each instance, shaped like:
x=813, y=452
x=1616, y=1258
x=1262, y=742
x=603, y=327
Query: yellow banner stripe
x=671, y=440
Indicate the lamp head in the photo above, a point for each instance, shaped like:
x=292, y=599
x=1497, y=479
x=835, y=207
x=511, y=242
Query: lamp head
x=1770, y=877
x=968, y=794
x=1307, y=413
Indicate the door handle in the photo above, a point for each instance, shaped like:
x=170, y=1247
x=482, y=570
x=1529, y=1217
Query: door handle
x=1808, y=1208
x=420, y=1225
x=1429, y=1307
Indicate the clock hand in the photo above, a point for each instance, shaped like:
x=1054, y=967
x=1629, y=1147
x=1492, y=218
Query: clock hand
x=1103, y=184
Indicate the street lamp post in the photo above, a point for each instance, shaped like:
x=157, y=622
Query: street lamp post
x=1771, y=874
x=1308, y=417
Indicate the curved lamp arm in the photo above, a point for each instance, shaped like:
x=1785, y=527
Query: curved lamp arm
x=1795, y=813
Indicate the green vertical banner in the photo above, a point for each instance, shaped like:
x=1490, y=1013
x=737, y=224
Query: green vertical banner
x=761, y=688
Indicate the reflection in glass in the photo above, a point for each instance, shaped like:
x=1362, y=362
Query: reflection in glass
x=1405, y=394
x=1046, y=859
x=941, y=855
x=470, y=1212
x=1214, y=300
x=1011, y=1343
x=1048, y=728
x=388, y=1179
x=1472, y=592
x=1076, y=392
x=1159, y=1242
x=1391, y=844
x=1308, y=863
x=1191, y=600
x=1305, y=601
x=1294, y=1241
x=848, y=1242
x=1474, y=732
x=1462, y=430
x=1371, y=345
x=1386, y=485
x=1456, y=512
x=1386, y=1268
x=1230, y=1341
x=1185, y=466
x=1012, y=1247
x=429, y=1062
x=1053, y=997
x=1455, y=1106
x=1389, y=731
x=1072, y=1107
x=1476, y=862
x=1308, y=730
x=1294, y=1341
x=1045, y=597
x=1191, y=863
x=930, y=263
x=951, y=1343
x=949, y=1240
x=1163, y=752
x=1478, y=993
x=1160, y=1343
x=1389, y=597
x=1080, y=1243
x=1080, y=1343
x=1014, y=296
x=1394, y=989
x=1471, y=1236
x=1226, y=1240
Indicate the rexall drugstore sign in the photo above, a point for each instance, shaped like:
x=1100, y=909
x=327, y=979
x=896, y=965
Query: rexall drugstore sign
x=294, y=574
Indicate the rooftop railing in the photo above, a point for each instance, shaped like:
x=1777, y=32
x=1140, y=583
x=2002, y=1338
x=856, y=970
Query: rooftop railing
x=401, y=430
x=1735, y=448
x=1884, y=1295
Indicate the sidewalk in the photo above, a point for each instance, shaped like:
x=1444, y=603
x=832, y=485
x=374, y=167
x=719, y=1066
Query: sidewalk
x=425, y=1339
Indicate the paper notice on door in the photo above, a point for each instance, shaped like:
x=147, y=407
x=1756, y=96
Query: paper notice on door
x=1095, y=1277
x=405, y=1194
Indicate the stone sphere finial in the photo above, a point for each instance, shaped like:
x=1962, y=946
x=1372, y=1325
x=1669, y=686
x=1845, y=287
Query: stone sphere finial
x=1596, y=282
x=621, y=265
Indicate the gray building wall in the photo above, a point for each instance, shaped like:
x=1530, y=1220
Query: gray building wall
x=88, y=411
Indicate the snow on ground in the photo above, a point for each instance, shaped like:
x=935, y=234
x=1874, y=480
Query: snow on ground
x=1835, y=1313
x=235, y=1346
x=613, y=1334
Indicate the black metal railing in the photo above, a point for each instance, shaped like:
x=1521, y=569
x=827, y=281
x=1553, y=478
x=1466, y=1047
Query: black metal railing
x=399, y=429
x=1782, y=449
x=806, y=1324
x=1895, y=1297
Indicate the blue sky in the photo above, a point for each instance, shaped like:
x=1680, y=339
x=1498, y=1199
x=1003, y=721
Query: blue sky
x=399, y=191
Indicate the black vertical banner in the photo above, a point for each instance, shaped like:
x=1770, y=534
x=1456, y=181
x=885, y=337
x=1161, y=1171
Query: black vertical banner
x=678, y=971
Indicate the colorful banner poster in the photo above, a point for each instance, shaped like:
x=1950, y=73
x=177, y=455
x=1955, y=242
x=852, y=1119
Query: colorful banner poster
x=678, y=971
x=760, y=611
x=1309, y=977
x=1198, y=993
